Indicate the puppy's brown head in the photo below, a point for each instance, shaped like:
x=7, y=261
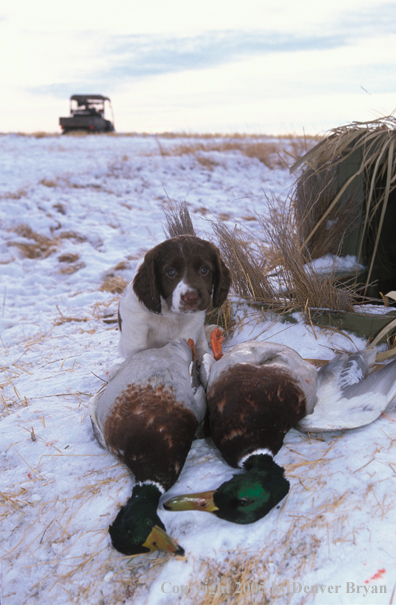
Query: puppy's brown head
x=185, y=271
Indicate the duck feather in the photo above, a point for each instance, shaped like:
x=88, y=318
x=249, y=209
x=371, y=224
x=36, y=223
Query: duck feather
x=349, y=396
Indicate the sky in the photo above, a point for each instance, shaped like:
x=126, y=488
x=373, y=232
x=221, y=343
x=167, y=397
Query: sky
x=258, y=66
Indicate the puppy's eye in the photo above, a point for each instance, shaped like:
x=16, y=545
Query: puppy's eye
x=204, y=270
x=171, y=273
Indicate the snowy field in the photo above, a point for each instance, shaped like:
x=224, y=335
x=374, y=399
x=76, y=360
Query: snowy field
x=75, y=215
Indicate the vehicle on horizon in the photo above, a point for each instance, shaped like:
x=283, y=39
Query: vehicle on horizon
x=87, y=113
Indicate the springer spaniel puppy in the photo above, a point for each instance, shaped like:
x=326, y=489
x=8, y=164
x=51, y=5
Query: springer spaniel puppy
x=173, y=287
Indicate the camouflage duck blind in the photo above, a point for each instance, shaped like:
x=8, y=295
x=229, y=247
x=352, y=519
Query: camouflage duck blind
x=345, y=201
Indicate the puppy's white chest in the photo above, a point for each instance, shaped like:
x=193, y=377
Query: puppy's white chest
x=170, y=326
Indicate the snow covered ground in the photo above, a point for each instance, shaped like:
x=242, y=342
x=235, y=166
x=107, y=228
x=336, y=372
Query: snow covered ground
x=75, y=215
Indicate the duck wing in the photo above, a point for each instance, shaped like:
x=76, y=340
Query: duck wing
x=348, y=396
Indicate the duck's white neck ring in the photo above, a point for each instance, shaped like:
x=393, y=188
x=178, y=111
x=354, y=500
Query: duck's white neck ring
x=161, y=489
x=262, y=451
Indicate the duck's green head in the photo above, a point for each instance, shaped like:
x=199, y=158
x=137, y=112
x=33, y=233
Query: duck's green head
x=137, y=529
x=245, y=498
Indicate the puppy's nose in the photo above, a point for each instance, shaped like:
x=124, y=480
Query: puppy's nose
x=190, y=299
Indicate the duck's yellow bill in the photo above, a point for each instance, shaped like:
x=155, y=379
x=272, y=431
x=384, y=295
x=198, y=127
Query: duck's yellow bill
x=202, y=501
x=158, y=539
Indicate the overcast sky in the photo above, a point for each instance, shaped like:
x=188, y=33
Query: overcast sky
x=261, y=66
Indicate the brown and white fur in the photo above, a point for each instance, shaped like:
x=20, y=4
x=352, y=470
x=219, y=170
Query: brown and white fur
x=173, y=287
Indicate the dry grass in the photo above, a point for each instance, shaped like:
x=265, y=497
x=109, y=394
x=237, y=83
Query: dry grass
x=48, y=183
x=114, y=283
x=83, y=133
x=73, y=268
x=270, y=153
x=37, y=246
x=178, y=220
x=243, y=577
x=70, y=263
x=74, y=236
x=13, y=195
x=64, y=183
x=246, y=263
x=222, y=317
x=267, y=153
x=302, y=286
x=54, y=522
x=40, y=134
x=284, y=557
x=298, y=141
x=12, y=397
x=270, y=268
x=68, y=258
x=218, y=135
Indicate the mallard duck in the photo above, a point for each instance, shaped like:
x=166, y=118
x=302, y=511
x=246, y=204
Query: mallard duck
x=256, y=392
x=349, y=396
x=251, y=393
x=147, y=416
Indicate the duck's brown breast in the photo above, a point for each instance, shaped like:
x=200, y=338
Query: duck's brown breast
x=253, y=407
x=151, y=432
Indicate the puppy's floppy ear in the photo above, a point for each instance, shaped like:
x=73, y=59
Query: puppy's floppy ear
x=222, y=280
x=145, y=283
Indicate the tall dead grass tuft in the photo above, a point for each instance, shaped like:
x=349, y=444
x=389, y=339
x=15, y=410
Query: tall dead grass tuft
x=300, y=285
x=178, y=220
x=246, y=263
x=222, y=317
x=271, y=268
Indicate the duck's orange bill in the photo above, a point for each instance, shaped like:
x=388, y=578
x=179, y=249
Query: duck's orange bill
x=216, y=338
x=191, y=344
x=202, y=501
x=158, y=539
